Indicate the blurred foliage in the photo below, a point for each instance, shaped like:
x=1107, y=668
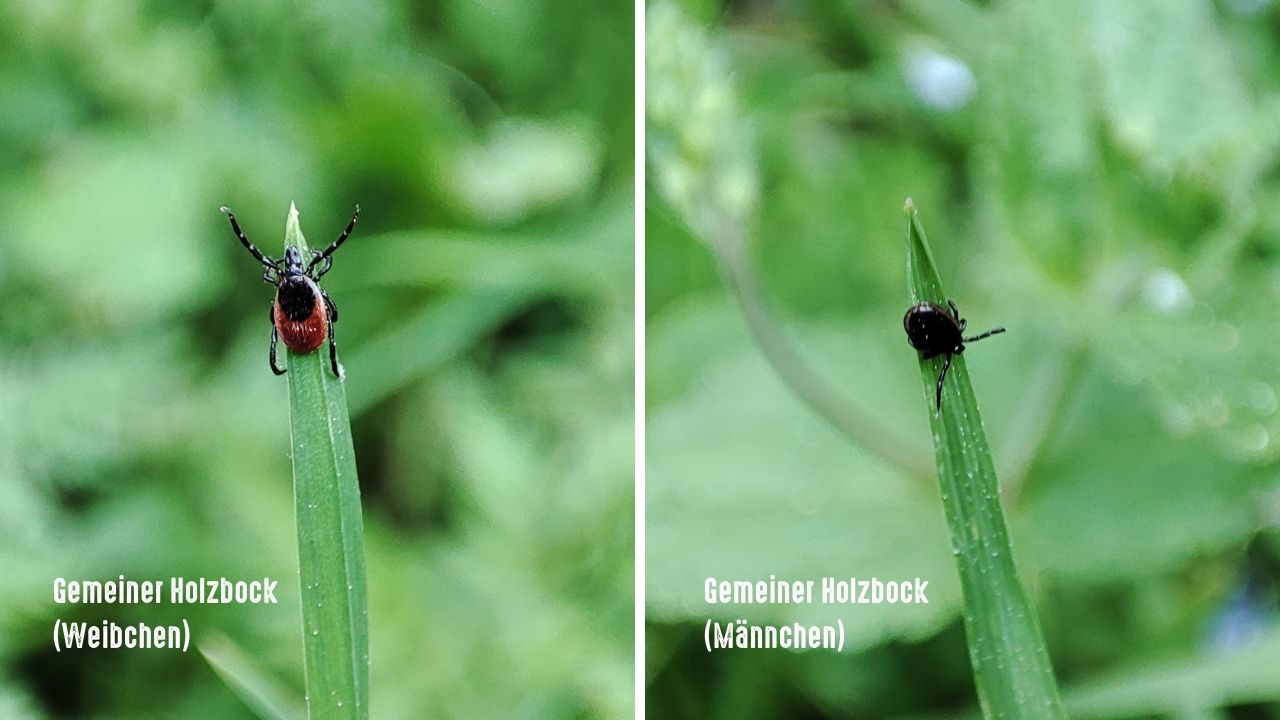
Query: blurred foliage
x=1101, y=179
x=486, y=327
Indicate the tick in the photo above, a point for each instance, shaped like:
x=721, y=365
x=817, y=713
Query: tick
x=302, y=315
x=935, y=330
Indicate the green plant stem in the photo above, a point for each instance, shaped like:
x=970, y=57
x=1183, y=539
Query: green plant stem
x=1011, y=668
x=822, y=397
x=1039, y=417
x=330, y=534
x=266, y=697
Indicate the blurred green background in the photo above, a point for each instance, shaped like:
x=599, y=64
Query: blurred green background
x=1103, y=179
x=486, y=329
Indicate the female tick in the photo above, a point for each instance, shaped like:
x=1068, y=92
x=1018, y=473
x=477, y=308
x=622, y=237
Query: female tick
x=302, y=315
x=934, y=331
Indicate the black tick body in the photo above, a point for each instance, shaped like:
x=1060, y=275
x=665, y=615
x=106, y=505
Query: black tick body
x=302, y=315
x=934, y=330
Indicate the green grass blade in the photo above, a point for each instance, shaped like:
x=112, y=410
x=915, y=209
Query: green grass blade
x=1011, y=667
x=267, y=697
x=1176, y=686
x=330, y=533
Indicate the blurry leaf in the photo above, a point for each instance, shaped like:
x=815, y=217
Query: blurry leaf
x=1174, y=121
x=263, y=694
x=524, y=166
x=423, y=341
x=507, y=35
x=1045, y=101
x=1111, y=457
x=828, y=242
x=1179, y=685
x=110, y=210
x=744, y=485
x=110, y=403
x=1210, y=369
x=494, y=455
x=1037, y=159
x=574, y=662
x=586, y=255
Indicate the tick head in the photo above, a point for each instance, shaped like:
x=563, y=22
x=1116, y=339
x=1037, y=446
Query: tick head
x=293, y=261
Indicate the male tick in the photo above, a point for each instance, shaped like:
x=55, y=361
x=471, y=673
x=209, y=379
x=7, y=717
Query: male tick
x=935, y=330
x=302, y=315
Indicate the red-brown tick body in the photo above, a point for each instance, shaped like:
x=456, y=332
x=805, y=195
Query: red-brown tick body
x=299, y=314
x=302, y=315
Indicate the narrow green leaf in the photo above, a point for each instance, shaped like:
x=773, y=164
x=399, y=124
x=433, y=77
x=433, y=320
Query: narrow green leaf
x=330, y=533
x=1202, y=679
x=425, y=340
x=1011, y=667
x=267, y=697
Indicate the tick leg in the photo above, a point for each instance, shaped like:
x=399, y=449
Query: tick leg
x=333, y=343
x=330, y=250
x=955, y=314
x=235, y=226
x=275, y=369
x=328, y=263
x=942, y=376
x=330, y=306
x=986, y=334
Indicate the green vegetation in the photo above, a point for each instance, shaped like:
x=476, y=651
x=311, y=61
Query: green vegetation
x=335, y=606
x=486, y=326
x=266, y=697
x=1098, y=179
x=1011, y=669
